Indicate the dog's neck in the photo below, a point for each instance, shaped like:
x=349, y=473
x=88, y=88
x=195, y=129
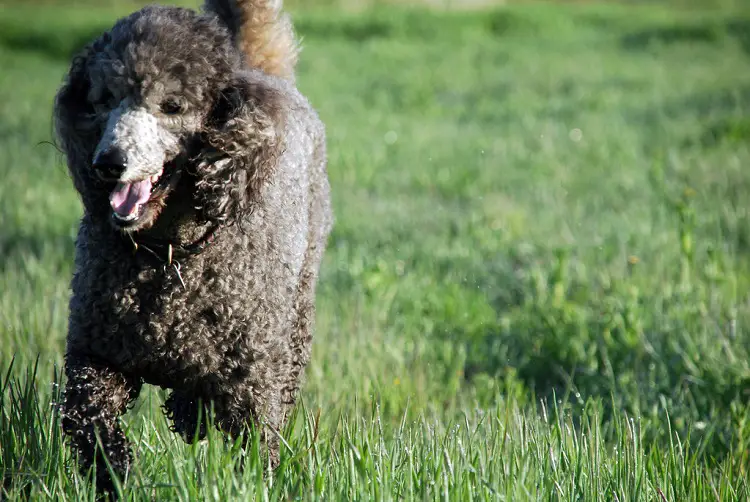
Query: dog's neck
x=179, y=225
x=168, y=249
x=178, y=232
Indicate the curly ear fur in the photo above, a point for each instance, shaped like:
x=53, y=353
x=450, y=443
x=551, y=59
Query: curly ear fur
x=262, y=32
x=77, y=127
x=244, y=133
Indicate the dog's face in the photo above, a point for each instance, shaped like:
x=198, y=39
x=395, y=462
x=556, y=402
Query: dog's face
x=146, y=129
x=158, y=98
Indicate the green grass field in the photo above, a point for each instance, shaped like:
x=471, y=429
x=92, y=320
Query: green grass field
x=538, y=286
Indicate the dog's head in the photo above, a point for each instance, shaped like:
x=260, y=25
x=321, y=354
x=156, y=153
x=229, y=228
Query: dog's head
x=159, y=105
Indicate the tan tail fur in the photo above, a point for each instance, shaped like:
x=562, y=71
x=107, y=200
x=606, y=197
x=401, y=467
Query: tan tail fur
x=262, y=31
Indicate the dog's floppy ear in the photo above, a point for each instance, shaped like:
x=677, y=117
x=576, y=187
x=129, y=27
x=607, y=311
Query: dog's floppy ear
x=245, y=131
x=72, y=98
x=75, y=124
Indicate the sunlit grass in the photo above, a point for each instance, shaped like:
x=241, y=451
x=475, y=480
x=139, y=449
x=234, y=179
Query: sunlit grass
x=537, y=286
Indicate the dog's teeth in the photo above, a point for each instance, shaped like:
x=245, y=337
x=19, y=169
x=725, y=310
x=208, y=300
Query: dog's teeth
x=129, y=217
x=154, y=178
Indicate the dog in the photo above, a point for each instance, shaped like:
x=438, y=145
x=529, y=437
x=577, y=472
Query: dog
x=202, y=173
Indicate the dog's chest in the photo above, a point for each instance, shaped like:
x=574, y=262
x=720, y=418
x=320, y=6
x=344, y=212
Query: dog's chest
x=193, y=318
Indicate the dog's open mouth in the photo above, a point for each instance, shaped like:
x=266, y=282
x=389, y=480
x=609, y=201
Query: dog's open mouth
x=127, y=199
x=130, y=199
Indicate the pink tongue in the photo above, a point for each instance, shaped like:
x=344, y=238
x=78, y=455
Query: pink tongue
x=126, y=197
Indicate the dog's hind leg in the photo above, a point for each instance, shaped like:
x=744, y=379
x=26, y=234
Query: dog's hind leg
x=95, y=398
x=320, y=224
x=188, y=415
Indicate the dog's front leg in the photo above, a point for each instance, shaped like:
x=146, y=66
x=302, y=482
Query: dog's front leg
x=95, y=398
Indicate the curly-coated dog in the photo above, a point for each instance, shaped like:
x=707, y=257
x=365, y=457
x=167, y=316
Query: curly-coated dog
x=202, y=172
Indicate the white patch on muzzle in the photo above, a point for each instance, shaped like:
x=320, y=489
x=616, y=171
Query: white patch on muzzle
x=138, y=135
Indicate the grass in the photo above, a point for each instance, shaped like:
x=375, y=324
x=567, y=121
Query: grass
x=537, y=287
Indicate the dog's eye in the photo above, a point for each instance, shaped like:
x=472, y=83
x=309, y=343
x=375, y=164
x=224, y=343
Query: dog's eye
x=101, y=98
x=106, y=97
x=171, y=106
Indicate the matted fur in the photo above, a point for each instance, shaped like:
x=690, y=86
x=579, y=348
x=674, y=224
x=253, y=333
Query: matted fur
x=233, y=323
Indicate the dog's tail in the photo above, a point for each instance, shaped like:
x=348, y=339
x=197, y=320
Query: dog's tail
x=262, y=31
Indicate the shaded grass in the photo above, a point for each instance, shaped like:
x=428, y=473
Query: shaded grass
x=535, y=203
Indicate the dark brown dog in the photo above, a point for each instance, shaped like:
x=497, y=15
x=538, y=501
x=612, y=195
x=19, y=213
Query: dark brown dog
x=202, y=172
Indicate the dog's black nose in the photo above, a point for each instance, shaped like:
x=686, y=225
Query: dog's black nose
x=110, y=164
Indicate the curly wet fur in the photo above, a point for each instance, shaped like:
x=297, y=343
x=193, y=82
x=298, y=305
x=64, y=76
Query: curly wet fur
x=232, y=324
